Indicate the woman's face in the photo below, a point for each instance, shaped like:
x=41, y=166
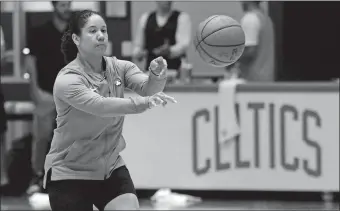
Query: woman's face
x=93, y=39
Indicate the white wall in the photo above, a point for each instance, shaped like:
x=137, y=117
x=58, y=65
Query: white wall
x=198, y=12
x=46, y=6
x=7, y=6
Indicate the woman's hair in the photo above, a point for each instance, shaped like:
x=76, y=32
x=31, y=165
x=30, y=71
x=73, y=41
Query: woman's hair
x=77, y=22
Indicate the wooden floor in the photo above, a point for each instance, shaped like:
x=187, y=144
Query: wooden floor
x=21, y=203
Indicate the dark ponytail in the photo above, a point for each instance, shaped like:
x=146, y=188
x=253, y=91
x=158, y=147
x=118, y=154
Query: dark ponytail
x=68, y=48
x=77, y=22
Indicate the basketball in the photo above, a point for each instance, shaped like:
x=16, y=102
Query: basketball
x=219, y=40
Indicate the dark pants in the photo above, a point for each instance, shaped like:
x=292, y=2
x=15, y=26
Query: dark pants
x=81, y=195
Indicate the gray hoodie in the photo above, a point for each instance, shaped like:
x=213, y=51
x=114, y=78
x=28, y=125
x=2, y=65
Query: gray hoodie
x=88, y=138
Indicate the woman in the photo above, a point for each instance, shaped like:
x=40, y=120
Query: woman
x=83, y=167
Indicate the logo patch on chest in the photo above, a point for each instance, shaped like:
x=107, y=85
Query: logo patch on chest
x=94, y=90
x=118, y=82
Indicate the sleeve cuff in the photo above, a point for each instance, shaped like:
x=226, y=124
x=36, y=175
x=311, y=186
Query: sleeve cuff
x=153, y=76
x=140, y=103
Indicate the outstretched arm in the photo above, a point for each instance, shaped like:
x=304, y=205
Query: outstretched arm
x=70, y=88
x=141, y=83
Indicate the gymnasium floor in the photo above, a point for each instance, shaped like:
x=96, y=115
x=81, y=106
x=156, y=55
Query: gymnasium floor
x=11, y=203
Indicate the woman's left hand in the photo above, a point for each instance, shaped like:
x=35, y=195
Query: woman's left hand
x=158, y=66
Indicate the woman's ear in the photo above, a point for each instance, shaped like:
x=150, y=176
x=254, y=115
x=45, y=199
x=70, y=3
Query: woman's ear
x=75, y=39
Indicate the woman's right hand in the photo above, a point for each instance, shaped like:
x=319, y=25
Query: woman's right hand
x=160, y=99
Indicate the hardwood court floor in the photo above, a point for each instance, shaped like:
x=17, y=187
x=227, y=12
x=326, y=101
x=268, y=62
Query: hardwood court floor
x=21, y=203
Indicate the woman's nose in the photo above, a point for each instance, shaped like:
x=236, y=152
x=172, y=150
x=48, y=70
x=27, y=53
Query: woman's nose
x=100, y=36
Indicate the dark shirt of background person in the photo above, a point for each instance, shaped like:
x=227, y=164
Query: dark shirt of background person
x=164, y=32
x=44, y=44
